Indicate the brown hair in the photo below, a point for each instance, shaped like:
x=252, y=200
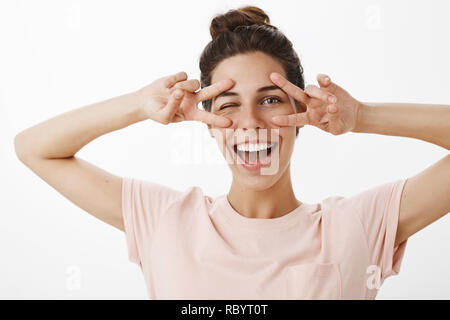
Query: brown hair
x=245, y=30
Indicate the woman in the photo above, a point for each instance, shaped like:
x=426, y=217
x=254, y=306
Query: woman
x=258, y=241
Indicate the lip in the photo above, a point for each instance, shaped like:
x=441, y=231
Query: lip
x=253, y=141
x=258, y=165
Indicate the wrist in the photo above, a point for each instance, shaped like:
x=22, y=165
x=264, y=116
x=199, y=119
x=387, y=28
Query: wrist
x=360, y=117
x=135, y=101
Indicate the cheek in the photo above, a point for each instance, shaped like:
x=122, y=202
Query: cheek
x=230, y=113
x=287, y=135
x=222, y=136
x=285, y=108
x=268, y=113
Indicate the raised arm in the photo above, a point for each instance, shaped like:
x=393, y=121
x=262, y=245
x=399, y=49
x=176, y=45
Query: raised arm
x=427, y=122
x=426, y=196
x=49, y=148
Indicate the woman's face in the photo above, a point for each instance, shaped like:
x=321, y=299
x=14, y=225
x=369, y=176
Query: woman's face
x=257, y=151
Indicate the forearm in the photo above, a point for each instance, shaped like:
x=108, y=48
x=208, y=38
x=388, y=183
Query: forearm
x=430, y=123
x=65, y=134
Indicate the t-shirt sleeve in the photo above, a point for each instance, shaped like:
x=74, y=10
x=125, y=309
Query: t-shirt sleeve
x=143, y=203
x=378, y=210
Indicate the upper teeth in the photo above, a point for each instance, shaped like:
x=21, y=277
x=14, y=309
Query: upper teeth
x=254, y=146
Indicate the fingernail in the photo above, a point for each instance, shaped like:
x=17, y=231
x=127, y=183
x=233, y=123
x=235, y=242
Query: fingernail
x=275, y=76
x=332, y=99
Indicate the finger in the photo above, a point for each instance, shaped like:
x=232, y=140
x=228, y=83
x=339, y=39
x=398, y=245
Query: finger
x=321, y=94
x=172, y=105
x=292, y=120
x=171, y=80
x=334, y=121
x=333, y=112
x=210, y=118
x=213, y=90
x=289, y=87
x=191, y=85
x=325, y=82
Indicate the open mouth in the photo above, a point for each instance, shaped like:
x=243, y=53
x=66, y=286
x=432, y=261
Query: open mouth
x=255, y=154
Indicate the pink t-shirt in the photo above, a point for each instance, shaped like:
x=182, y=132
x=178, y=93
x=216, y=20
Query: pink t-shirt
x=191, y=246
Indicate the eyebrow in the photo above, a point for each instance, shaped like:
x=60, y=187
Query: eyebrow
x=231, y=93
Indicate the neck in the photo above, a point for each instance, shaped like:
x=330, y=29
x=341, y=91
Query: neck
x=273, y=202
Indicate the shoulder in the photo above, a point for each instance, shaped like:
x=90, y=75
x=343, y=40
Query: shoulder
x=334, y=205
x=195, y=194
x=147, y=186
x=154, y=193
x=367, y=204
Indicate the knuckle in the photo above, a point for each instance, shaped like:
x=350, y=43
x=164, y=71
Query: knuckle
x=334, y=132
x=177, y=94
x=196, y=84
x=165, y=121
x=183, y=75
x=167, y=82
x=170, y=80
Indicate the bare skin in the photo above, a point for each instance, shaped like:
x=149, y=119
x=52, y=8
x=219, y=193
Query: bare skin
x=254, y=195
x=49, y=148
x=425, y=197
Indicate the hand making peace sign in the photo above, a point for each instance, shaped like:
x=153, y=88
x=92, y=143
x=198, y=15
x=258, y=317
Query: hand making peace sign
x=329, y=107
x=173, y=99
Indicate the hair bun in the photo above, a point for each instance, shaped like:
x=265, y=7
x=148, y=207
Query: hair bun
x=244, y=16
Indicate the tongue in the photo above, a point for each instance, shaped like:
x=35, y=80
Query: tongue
x=254, y=157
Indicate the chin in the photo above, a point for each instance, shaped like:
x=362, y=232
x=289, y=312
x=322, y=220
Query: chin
x=255, y=180
x=260, y=183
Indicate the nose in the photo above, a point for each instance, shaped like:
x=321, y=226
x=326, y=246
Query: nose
x=250, y=118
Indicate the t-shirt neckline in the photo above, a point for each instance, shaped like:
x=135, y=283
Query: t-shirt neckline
x=240, y=221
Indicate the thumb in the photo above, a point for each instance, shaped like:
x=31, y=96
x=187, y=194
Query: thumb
x=326, y=83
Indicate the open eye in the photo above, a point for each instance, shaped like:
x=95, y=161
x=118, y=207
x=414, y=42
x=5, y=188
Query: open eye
x=276, y=99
